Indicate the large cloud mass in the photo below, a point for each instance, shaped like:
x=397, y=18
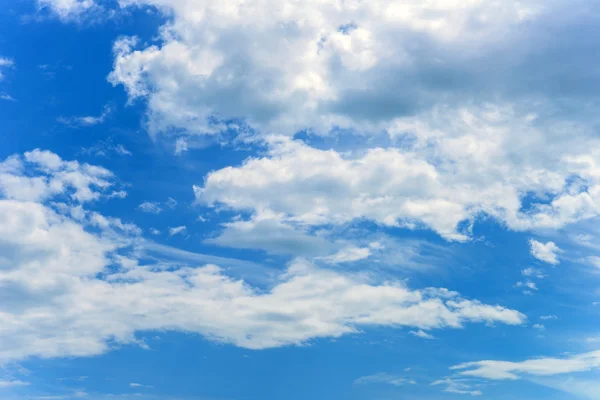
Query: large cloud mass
x=70, y=286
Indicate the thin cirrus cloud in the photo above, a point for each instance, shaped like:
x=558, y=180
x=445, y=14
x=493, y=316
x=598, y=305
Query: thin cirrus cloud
x=545, y=366
x=88, y=305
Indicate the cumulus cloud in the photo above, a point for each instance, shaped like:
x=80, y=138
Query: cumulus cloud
x=399, y=187
x=546, y=252
x=81, y=182
x=70, y=10
x=502, y=370
x=94, y=291
x=284, y=67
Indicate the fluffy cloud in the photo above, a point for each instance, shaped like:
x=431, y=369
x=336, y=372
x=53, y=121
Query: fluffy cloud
x=500, y=370
x=70, y=287
x=69, y=10
x=546, y=252
x=282, y=66
x=455, y=171
x=53, y=177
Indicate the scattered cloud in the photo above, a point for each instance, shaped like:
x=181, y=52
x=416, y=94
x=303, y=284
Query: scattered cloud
x=171, y=203
x=539, y=327
x=150, y=207
x=7, y=384
x=177, y=230
x=533, y=273
x=546, y=252
x=349, y=254
x=422, y=334
x=87, y=120
x=91, y=286
x=458, y=386
x=548, y=317
x=383, y=378
x=5, y=63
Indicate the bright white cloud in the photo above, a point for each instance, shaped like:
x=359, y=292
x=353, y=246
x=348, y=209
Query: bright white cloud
x=283, y=66
x=82, y=182
x=422, y=334
x=395, y=187
x=499, y=370
x=92, y=290
x=546, y=252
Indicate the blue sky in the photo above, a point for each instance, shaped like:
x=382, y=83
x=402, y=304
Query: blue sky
x=322, y=199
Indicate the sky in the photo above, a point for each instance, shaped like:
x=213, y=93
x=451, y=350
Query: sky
x=318, y=199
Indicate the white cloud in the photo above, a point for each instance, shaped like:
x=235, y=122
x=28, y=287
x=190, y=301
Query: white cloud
x=533, y=273
x=396, y=187
x=12, y=383
x=150, y=207
x=7, y=97
x=267, y=231
x=349, y=254
x=88, y=120
x=82, y=182
x=69, y=10
x=383, y=378
x=500, y=370
x=177, y=230
x=528, y=285
x=548, y=317
x=546, y=252
x=5, y=63
x=539, y=327
x=285, y=67
x=458, y=386
x=104, y=148
x=93, y=290
x=422, y=334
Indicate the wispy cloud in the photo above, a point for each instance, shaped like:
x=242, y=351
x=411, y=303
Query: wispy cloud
x=86, y=120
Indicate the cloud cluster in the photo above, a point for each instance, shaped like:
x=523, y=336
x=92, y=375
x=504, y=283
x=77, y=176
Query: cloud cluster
x=70, y=286
x=282, y=66
x=449, y=178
